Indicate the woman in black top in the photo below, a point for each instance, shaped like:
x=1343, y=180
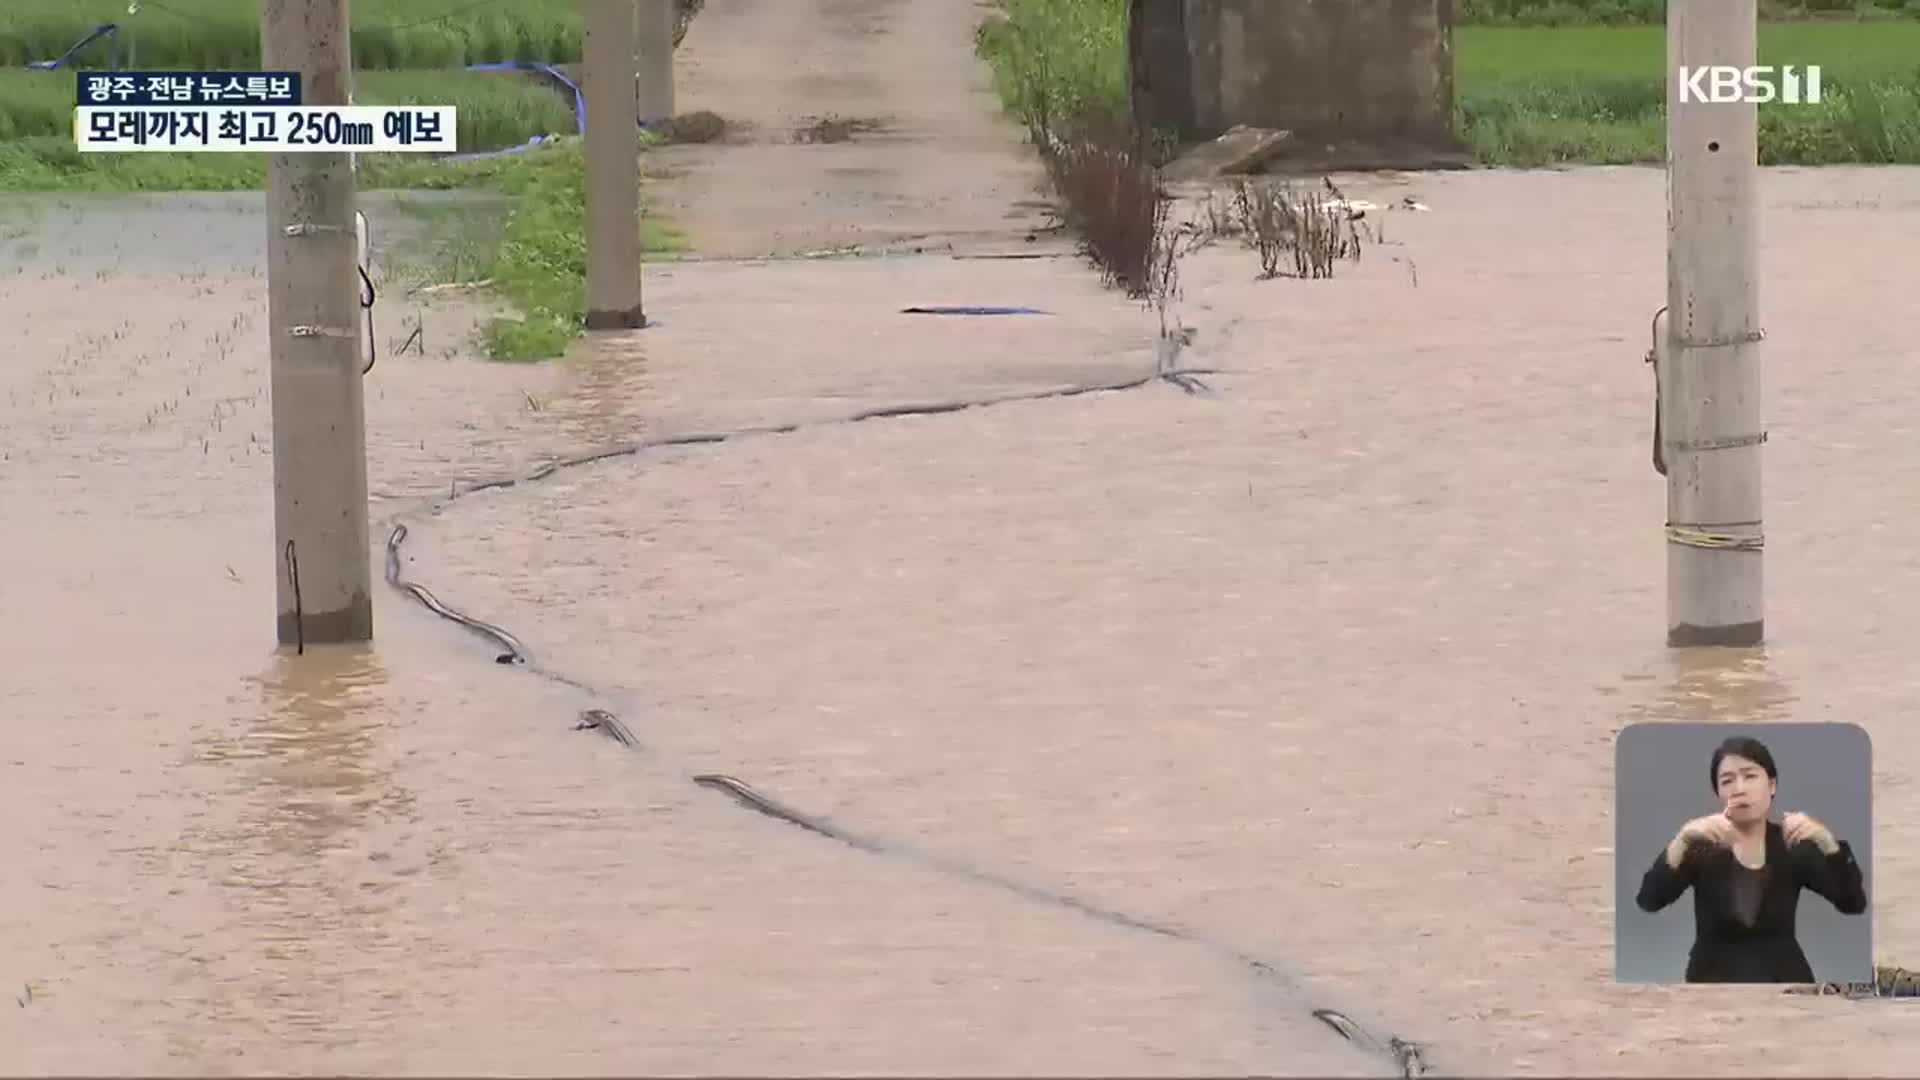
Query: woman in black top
x=1746, y=873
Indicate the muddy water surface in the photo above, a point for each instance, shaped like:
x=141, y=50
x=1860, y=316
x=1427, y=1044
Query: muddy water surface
x=402, y=858
x=1326, y=670
x=1329, y=668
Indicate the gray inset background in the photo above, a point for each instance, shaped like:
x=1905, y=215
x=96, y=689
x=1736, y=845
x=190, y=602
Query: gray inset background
x=1661, y=781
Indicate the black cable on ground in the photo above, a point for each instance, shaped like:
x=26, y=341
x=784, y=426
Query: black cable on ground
x=367, y=297
x=1406, y=1058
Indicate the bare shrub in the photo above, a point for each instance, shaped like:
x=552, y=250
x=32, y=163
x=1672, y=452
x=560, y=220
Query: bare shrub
x=1110, y=191
x=1295, y=233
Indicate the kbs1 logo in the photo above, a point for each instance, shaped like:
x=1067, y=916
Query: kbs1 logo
x=1763, y=85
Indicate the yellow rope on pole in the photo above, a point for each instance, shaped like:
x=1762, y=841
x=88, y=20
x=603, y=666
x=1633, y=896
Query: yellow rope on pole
x=1700, y=538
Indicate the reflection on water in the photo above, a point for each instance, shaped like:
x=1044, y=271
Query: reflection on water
x=312, y=749
x=1306, y=669
x=1715, y=685
x=606, y=403
x=304, y=902
x=171, y=232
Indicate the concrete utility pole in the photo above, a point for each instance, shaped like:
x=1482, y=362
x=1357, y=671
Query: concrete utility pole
x=313, y=316
x=1710, y=371
x=613, y=167
x=654, y=90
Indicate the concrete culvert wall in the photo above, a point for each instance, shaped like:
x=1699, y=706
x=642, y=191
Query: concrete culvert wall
x=1358, y=72
x=683, y=15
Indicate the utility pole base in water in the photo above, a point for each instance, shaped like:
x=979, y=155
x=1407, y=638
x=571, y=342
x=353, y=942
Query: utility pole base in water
x=1709, y=363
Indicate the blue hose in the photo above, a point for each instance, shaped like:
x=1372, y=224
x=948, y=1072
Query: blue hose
x=103, y=30
x=553, y=74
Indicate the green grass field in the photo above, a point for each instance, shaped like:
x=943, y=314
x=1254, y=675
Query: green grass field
x=1486, y=55
x=206, y=35
x=1052, y=58
x=1596, y=93
x=1534, y=96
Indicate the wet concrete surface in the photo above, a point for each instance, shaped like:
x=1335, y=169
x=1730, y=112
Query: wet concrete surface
x=942, y=168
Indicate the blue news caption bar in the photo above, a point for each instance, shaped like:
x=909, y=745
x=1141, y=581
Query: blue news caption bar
x=98, y=89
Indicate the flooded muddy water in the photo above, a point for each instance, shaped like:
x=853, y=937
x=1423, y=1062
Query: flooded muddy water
x=220, y=233
x=1325, y=670
x=398, y=859
x=1330, y=667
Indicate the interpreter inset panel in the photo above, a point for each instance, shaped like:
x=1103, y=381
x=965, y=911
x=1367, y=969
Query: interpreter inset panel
x=1743, y=853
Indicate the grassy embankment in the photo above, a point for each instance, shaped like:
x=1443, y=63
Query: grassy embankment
x=1536, y=95
x=407, y=52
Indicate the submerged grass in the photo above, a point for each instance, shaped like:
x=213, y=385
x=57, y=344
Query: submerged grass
x=225, y=34
x=536, y=260
x=540, y=265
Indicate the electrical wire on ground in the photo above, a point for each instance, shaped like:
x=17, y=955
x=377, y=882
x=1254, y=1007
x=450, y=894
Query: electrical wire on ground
x=1405, y=1059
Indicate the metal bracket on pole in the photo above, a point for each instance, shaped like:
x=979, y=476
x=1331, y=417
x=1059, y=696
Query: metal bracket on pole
x=321, y=331
x=1728, y=443
x=1653, y=359
x=1751, y=338
x=307, y=228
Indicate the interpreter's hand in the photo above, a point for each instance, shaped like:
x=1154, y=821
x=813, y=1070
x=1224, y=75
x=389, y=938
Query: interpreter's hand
x=1715, y=829
x=1797, y=827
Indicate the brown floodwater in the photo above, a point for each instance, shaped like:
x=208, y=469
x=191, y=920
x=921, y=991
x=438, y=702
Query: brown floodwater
x=1322, y=672
x=401, y=858
x=1325, y=670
